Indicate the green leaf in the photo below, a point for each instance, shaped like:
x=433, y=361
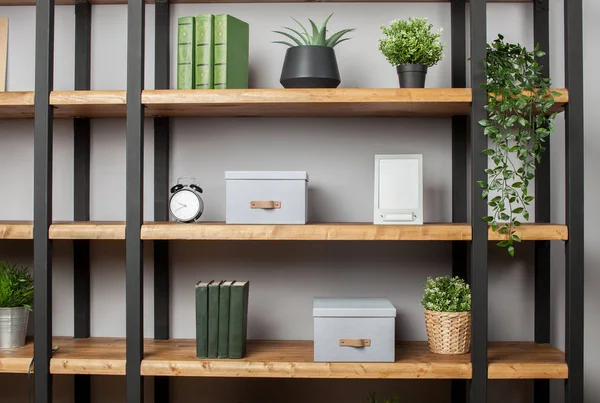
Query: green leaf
x=503, y=230
x=511, y=250
x=518, y=210
x=483, y=184
x=284, y=43
x=484, y=123
x=489, y=151
x=315, y=33
x=484, y=193
x=293, y=38
x=515, y=238
x=488, y=218
x=303, y=29
x=340, y=41
x=494, y=225
x=517, y=184
x=526, y=215
x=529, y=199
x=300, y=35
x=503, y=244
x=333, y=39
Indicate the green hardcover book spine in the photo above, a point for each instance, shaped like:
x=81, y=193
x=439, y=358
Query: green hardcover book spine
x=204, y=65
x=238, y=319
x=202, y=319
x=231, y=52
x=213, y=318
x=224, y=298
x=185, y=53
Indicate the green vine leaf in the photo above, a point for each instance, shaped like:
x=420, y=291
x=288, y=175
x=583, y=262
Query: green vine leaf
x=519, y=121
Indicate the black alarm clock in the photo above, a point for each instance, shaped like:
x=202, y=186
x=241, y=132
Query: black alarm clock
x=186, y=204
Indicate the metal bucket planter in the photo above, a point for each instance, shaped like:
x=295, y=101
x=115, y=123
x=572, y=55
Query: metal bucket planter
x=412, y=75
x=13, y=327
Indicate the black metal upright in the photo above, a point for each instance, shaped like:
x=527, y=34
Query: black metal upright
x=161, y=189
x=42, y=205
x=81, y=191
x=574, y=141
x=134, y=201
x=541, y=36
x=479, y=244
x=459, y=159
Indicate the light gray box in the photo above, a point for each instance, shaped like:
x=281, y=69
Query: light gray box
x=266, y=197
x=341, y=323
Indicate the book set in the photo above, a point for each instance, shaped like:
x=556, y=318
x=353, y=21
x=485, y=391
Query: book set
x=221, y=318
x=212, y=52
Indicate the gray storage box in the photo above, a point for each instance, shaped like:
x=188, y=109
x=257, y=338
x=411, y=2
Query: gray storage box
x=354, y=330
x=266, y=197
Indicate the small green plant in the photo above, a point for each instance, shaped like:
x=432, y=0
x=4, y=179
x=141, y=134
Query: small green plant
x=411, y=41
x=519, y=121
x=318, y=37
x=446, y=294
x=373, y=399
x=16, y=286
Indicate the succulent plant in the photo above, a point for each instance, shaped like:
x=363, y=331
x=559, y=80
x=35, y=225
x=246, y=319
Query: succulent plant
x=318, y=37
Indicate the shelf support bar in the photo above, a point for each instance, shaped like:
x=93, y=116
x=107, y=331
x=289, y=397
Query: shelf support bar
x=479, y=244
x=81, y=190
x=574, y=257
x=541, y=36
x=459, y=160
x=161, y=189
x=42, y=203
x=134, y=201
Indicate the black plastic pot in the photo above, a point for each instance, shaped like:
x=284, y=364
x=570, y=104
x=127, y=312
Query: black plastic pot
x=310, y=67
x=412, y=75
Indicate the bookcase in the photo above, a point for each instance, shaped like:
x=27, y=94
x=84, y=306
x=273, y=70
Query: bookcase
x=136, y=358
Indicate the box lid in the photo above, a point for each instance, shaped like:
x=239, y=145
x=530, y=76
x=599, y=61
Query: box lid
x=353, y=307
x=266, y=175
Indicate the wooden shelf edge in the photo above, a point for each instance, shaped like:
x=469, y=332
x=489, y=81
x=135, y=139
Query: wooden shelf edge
x=535, y=232
x=16, y=230
x=92, y=230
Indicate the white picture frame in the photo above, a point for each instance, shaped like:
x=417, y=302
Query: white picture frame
x=398, y=193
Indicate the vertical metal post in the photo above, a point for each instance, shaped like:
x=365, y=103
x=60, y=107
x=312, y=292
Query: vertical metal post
x=574, y=140
x=459, y=160
x=134, y=200
x=479, y=244
x=81, y=191
x=161, y=189
x=42, y=210
x=541, y=36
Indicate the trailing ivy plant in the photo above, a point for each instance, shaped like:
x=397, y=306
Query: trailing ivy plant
x=518, y=104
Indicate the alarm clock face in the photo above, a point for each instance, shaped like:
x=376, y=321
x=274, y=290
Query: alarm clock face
x=185, y=205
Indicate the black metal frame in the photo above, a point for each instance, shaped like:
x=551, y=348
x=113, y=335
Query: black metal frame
x=479, y=244
x=541, y=36
x=161, y=189
x=42, y=204
x=474, y=253
x=81, y=190
x=134, y=201
x=574, y=141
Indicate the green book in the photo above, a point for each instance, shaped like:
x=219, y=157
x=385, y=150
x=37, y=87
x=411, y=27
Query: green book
x=213, y=318
x=231, y=52
x=238, y=319
x=224, y=295
x=202, y=319
x=203, y=74
x=185, y=53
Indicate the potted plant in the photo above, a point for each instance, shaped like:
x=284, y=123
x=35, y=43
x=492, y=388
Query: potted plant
x=412, y=47
x=447, y=303
x=310, y=59
x=519, y=121
x=16, y=298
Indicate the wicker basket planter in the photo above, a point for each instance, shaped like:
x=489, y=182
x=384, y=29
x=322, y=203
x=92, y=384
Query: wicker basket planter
x=448, y=332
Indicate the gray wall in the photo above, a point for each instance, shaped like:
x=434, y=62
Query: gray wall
x=338, y=155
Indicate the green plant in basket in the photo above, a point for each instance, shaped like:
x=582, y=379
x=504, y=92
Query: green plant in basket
x=318, y=37
x=446, y=294
x=16, y=286
x=411, y=41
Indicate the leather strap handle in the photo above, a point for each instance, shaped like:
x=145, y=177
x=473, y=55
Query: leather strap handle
x=265, y=204
x=355, y=342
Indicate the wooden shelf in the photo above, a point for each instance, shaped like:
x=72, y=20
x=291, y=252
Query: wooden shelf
x=16, y=230
x=255, y=102
x=309, y=102
x=71, y=2
x=288, y=359
x=294, y=359
x=535, y=232
x=87, y=230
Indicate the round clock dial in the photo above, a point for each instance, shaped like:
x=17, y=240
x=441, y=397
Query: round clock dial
x=185, y=205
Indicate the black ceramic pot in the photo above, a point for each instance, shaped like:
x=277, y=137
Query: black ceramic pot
x=412, y=75
x=310, y=67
